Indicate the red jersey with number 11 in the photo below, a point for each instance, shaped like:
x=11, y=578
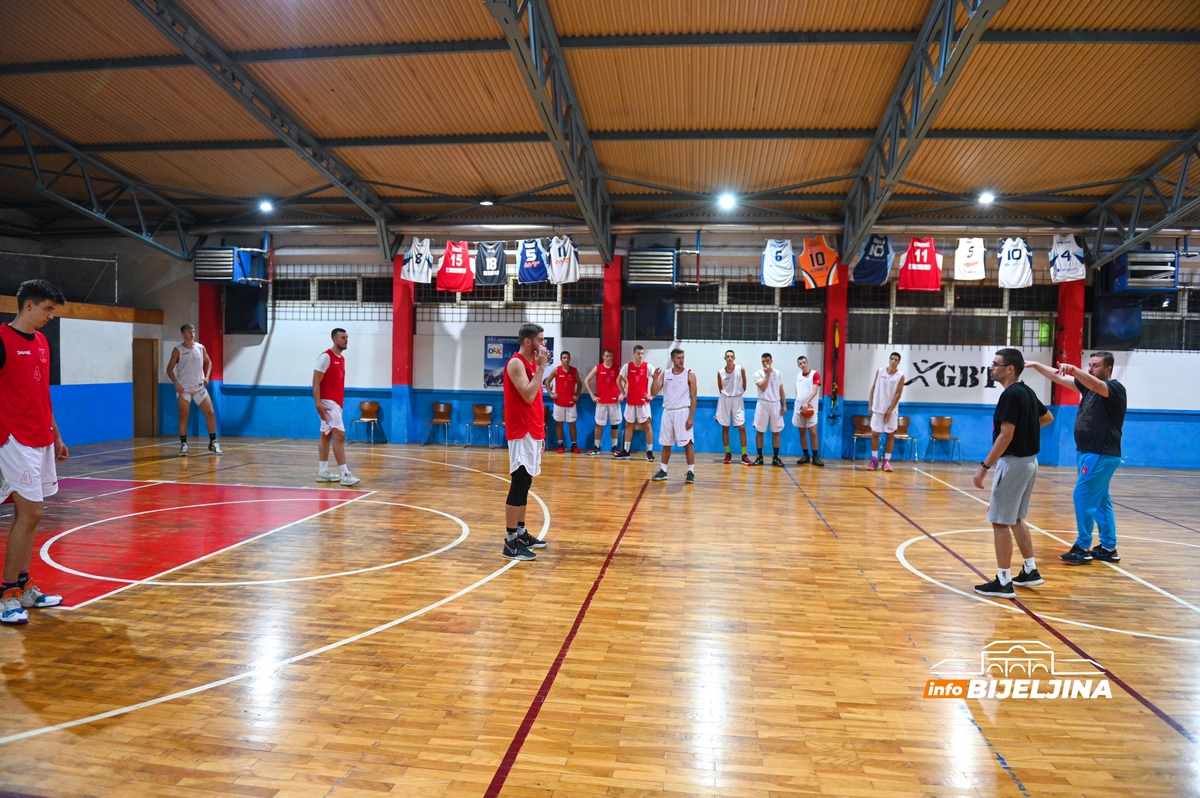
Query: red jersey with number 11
x=920, y=270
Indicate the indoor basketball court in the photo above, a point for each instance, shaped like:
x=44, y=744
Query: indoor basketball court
x=842, y=220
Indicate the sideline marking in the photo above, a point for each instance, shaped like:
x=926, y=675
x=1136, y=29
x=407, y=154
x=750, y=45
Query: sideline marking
x=1147, y=703
x=514, y=748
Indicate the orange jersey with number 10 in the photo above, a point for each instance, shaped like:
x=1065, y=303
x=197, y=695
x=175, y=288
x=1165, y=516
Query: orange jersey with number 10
x=817, y=263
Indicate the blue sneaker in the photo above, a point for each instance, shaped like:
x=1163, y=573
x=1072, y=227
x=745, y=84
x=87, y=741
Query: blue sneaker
x=11, y=611
x=1077, y=556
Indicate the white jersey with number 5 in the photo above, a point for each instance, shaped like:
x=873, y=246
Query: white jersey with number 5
x=1066, y=260
x=778, y=264
x=968, y=259
x=1016, y=264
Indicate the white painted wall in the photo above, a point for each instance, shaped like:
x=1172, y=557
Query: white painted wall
x=1158, y=380
x=95, y=352
x=863, y=361
x=287, y=354
x=705, y=357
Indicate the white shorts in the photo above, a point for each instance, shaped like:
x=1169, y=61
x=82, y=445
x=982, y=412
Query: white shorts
x=526, y=452
x=731, y=409
x=887, y=425
x=608, y=414
x=333, y=417
x=799, y=421
x=637, y=414
x=768, y=414
x=27, y=471
x=198, y=395
x=673, y=429
x=568, y=414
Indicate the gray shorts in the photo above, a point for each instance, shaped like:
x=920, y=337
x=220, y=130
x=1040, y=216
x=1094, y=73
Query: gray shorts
x=1012, y=487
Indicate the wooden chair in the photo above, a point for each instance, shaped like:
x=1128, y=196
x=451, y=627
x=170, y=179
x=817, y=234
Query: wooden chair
x=441, y=418
x=862, y=431
x=368, y=414
x=902, y=435
x=482, y=418
x=940, y=433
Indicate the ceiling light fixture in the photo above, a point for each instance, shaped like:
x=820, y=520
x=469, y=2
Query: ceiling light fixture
x=726, y=201
x=265, y=206
x=987, y=198
x=486, y=202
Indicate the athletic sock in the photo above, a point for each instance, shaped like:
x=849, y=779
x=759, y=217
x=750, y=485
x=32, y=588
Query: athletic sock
x=344, y=469
x=510, y=534
x=727, y=448
x=760, y=451
x=806, y=454
x=663, y=466
x=212, y=437
x=691, y=468
x=814, y=454
x=183, y=439
x=1030, y=565
x=1004, y=575
x=323, y=467
x=743, y=448
x=23, y=579
x=521, y=527
x=7, y=586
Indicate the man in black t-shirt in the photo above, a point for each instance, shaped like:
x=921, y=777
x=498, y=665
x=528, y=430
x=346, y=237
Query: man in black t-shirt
x=1098, y=427
x=1016, y=441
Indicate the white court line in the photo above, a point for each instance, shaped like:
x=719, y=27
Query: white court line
x=1115, y=567
x=152, y=580
x=114, y=492
x=115, y=451
x=900, y=555
x=269, y=669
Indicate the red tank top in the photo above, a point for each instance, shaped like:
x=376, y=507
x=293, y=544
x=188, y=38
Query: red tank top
x=333, y=386
x=920, y=270
x=564, y=386
x=456, y=273
x=606, y=385
x=638, y=379
x=25, y=389
x=522, y=418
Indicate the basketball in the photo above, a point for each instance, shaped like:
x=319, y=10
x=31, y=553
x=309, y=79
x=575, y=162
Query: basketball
x=807, y=412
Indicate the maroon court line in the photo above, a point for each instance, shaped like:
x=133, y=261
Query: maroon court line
x=514, y=748
x=1147, y=703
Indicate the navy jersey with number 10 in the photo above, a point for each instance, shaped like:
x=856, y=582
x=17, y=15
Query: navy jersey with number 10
x=875, y=263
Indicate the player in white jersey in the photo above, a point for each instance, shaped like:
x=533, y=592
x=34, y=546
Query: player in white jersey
x=778, y=264
x=884, y=403
x=189, y=369
x=804, y=417
x=678, y=387
x=418, y=262
x=969, y=259
x=564, y=260
x=731, y=407
x=769, y=409
x=1066, y=260
x=1015, y=262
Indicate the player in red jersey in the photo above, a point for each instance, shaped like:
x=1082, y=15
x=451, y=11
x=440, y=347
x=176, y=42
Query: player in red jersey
x=564, y=387
x=607, y=397
x=30, y=443
x=635, y=380
x=525, y=430
x=329, y=394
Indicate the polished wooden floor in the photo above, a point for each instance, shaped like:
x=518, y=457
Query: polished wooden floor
x=766, y=632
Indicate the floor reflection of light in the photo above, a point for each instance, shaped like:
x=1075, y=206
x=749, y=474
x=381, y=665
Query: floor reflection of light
x=264, y=684
x=710, y=700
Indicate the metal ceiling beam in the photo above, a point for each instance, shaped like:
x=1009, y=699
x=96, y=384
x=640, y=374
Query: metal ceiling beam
x=1158, y=198
x=203, y=51
x=541, y=63
x=938, y=58
x=105, y=186
x=781, y=38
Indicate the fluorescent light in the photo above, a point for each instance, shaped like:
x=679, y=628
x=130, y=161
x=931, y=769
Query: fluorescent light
x=727, y=201
x=486, y=202
x=265, y=206
x=987, y=198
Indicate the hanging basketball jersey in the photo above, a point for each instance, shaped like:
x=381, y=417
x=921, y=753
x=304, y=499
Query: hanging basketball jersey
x=921, y=269
x=875, y=262
x=1015, y=262
x=491, y=265
x=531, y=261
x=417, y=264
x=778, y=264
x=969, y=259
x=564, y=260
x=817, y=263
x=1066, y=260
x=456, y=272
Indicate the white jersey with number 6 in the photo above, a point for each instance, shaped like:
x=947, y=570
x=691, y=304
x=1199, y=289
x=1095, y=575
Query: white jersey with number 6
x=1016, y=264
x=778, y=264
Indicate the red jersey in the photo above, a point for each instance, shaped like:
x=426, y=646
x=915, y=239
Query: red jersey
x=333, y=385
x=455, y=273
x=25, y=389
x=607, y=389
x=920, y=270
x=565, y=381
x=637, y=386
x=522, y=418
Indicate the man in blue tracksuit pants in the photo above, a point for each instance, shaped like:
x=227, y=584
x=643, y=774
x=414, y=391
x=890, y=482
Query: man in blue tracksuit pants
x=1098, y=441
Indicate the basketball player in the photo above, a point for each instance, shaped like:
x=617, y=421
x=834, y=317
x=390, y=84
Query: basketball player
x=30, y=443
x=1016, y=441
x=678, y=387
x=563, y=385
x=731, y=406
x=884, y=401
x=769, y=409
x=329, y=394
x=808, y=389
x=525, y=430
x=608, y=400
x=635, y=384
x=189, y=368
x=1098, y=426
